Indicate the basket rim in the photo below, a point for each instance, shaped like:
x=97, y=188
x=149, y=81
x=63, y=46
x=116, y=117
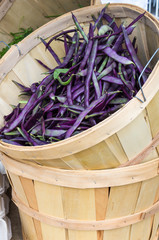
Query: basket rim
x=65, y=145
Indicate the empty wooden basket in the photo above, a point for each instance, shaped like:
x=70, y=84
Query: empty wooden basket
x=121, y=203
x=116, y=140
x=15, y=14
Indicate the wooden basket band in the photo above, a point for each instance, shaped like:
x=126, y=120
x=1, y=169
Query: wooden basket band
x=83, y=179
x=86, y=225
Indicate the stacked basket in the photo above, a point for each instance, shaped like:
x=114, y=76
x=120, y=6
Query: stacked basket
x=73, y=189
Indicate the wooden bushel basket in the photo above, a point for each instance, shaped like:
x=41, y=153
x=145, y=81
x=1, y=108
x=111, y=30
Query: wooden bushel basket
x=115, y=141
x=15, y=14
x=120, y=203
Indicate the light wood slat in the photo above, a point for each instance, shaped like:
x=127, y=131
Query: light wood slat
x=157, y=235
x=118, y=206
x=55, y=163
x=116, y=148
x=134, y=141
x=27, y=221
x=78, y=235
x=45, y=204
x=73, y=162
x=97, y=157
x=155, y=227
x=5, y=109
x=141, y=230
x=50, y=232
x=155, y=223
x=116, y=233
x=143, y=50
x=148, y=193
x=28, y=187
x=152, y=47
x=9, y=91
x=79, y=204
x=24, y=70
x=18, y=187
x=48, y=205
x=153, y=115
x=122, y=195
x=146, y=198
x=101, y=201
x=47, y=58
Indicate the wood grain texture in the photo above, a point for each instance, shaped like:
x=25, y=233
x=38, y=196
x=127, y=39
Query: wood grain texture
x=134, y=141
x=26, y=221
x=146, y=197
x=28, y=187
x=79, y=204
x=122, y=201
x=48, y=198
x=101, y=202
